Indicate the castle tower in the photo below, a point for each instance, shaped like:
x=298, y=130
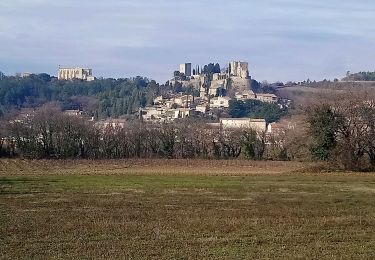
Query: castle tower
x=185, y=68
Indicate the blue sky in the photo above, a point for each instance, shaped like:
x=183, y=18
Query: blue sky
x=281, y=39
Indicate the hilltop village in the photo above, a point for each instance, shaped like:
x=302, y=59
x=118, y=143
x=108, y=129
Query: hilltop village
x=206, y=92
x=209, y=89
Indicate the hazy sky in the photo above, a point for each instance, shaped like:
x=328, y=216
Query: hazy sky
x=281, y=39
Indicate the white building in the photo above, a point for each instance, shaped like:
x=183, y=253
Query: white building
x=258, y=125
x=219, y=102
x=182, y=112
x=185, y=68
x=75, y=73
x=201, y=108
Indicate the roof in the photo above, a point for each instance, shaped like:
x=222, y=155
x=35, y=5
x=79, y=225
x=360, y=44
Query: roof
x=217, y=98
x=73, y=68
x=267, y=95
x=245, y=119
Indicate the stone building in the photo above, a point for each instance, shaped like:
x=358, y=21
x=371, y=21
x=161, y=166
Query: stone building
x=258, y=125
x=269, y=98
x=219, y=76
x=238, y=69
x=245, y=95
x=220, y=102
x=239, y=75
x=75, y=73
x=185, y=68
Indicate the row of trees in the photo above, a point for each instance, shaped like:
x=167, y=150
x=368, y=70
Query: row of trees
x=51, y=134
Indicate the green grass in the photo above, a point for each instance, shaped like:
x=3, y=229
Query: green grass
x=151, y=216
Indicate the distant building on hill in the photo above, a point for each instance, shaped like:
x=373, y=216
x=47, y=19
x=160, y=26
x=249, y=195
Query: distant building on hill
x=75, y=73
x=238, y=69
x=23, y=74
x=185, y=68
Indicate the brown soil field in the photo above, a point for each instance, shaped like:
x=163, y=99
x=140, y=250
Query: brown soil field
x=149, y=166
x=184, y=209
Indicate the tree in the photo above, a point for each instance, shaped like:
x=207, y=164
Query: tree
x=343, y=129
x=167, y=137
x=323, y=128
x=254, y=143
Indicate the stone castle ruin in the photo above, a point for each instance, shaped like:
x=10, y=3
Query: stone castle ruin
x=238, y=69
x=235, y=77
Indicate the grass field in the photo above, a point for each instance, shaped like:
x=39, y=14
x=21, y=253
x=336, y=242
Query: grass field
x=183, y=210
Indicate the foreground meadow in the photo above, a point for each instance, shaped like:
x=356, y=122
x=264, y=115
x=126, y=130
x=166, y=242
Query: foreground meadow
x=183, y=210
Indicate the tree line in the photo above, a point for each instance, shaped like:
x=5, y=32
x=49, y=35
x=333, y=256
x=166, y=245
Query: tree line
x=51, y=134
x=339, y=129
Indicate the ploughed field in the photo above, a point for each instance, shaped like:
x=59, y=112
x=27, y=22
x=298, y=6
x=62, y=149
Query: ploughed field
x=159, y=209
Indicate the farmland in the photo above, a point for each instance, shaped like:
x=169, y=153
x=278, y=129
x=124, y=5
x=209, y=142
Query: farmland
x=180, y=209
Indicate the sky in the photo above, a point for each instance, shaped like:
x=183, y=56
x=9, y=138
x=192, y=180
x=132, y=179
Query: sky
x=282, y=40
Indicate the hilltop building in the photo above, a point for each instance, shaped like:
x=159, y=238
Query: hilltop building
x=185, y=68
x=238, y=72
x=238, y=69
x=23, y=74
x=75, y=73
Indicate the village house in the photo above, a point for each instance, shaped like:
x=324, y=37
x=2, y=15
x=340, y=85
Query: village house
x=245, y=95
x=184, y=100
x=250, y=95
x=202, y=108
x=182, y=112
x=152, y=113
x=269, y=98
x=159, y=100
x=219, y=102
